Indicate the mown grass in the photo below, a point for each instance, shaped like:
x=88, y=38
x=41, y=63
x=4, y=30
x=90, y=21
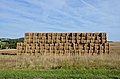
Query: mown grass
x=61, y=73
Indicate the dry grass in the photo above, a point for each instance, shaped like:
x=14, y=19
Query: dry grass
x=8, y=51
x=111, y=61
x=70, y=62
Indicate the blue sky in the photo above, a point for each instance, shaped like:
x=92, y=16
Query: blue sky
x=20, y=16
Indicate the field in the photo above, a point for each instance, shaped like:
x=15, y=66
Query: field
x=87, y=66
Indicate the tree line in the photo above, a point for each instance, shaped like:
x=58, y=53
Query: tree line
x=9, y=43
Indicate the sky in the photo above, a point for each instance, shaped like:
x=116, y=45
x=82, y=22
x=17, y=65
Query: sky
x=20, y=16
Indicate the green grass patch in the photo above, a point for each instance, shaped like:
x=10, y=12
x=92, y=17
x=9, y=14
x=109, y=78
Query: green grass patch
x=61, y=73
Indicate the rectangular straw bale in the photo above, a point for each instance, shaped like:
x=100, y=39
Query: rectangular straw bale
x=101, y=47
x=97, y=34
x=103, y=41
x=82, y=41
x=103, y=34
x=81, y=47
x=98, y=38
x=76, y=46
x=73, y=41
x=63, y=41
x=88, y=34
x=83, y=34
x=91, y=47
x=86, y=48
x=92, y=41
x=96, y=47
x=26, y=34
x=78, y=41
x=91, y=51
x=82, y=52
x=83, y=38
x=96, y=51
x=86, y=51
x=106, y=47
x=87, y=41
x=107, y=51
x=101, y=51
x=88, y=37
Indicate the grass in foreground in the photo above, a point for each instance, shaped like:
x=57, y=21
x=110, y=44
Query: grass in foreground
x=85, y=67
x=61, y=73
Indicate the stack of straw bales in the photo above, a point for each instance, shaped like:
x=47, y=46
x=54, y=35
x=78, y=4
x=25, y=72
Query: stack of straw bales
x=64, y=43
